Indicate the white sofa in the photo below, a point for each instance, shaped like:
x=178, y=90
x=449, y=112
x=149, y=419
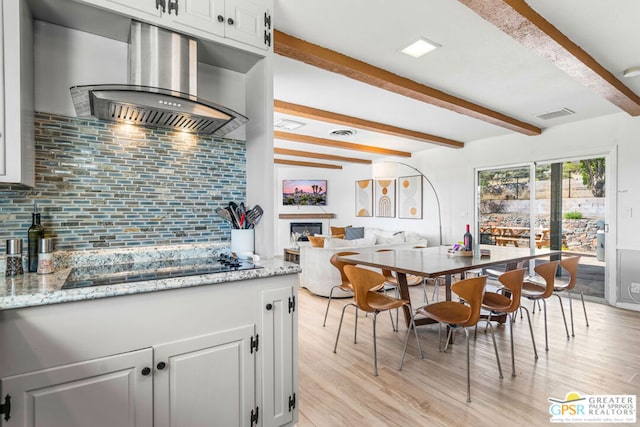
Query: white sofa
x=319, y=276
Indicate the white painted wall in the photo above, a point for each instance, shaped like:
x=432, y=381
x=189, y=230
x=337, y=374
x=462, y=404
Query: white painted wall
x=452, y=173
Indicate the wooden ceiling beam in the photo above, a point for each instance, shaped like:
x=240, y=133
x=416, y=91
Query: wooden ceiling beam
x=341, y=119
x=305, y=164
x=326, y=59
x=306, y=139
x=518, y=20
x=298, y=153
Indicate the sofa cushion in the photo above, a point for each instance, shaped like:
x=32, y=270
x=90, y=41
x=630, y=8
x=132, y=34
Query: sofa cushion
x=384, y=239
x=316, y=241
x=353, y=233
x=332, y=242
x=335, y=231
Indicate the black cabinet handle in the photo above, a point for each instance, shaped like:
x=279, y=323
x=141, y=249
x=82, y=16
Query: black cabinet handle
x=220, y=18
x=173, y=5
x=230, y=21
x=161, y=366
x=269, y=306
x=162, y=4
x=146, y=371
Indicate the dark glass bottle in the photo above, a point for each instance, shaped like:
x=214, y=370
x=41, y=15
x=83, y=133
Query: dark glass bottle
x=36, y=231
x=468, y=240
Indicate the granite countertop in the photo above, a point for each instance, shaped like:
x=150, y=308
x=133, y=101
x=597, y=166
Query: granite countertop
x=31, y=289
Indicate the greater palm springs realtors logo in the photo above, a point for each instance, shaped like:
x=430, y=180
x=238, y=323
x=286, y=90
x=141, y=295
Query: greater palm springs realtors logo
x=593, y=408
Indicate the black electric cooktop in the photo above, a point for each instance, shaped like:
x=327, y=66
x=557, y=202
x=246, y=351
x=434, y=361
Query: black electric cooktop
x=81, y=277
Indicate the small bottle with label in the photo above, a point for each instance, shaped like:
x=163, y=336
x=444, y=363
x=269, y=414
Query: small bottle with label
x=14, y=257
x=45, y=256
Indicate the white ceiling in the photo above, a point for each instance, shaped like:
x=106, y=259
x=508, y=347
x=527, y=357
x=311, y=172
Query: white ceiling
x=477, y=62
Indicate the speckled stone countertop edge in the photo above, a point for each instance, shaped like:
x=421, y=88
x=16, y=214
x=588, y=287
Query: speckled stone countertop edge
x=31, y=289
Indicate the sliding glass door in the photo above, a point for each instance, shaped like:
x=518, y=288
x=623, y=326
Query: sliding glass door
x=562, y=207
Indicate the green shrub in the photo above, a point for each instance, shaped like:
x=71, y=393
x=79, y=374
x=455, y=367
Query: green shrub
x=572, y=215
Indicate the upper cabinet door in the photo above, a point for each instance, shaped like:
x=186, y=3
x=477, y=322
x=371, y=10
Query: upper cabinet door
x=106, y=392
x=201, y=15
x=245, y=22
x=137, y=8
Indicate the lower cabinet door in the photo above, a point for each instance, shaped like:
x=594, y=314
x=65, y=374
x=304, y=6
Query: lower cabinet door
x=113, y=391
x=207, y=380
x=276, y=348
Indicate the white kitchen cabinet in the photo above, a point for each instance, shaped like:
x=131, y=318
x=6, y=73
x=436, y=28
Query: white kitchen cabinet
x=106, y=392
x=17, y=147
x=278, y=354
x=213, y=352
x=245, y=21
x=205, y=378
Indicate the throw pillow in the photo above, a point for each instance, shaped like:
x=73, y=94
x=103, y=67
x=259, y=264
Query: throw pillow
x=316, y=241
x=352, y=233
x=338, y=230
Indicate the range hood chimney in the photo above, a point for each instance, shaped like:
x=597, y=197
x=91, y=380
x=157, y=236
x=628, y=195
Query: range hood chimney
x=162, y=89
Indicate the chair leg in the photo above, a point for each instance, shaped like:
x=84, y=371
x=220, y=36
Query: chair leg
x=584, y=308
x=406, y=339
x=513, y=357
x=571, y=313
x=533, y=340
x=375, y=350
x=546, y=338
x=495, y=347
x=564, y=318
x=468, y=368
x=340, y=324
x=327, y=310
x=355, y=329
x=424, y=289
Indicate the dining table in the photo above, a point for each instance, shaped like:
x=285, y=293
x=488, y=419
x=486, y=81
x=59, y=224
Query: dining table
x=439, y=261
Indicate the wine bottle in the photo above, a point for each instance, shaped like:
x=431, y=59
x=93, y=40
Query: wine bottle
x=468, y=240
x=35, y=232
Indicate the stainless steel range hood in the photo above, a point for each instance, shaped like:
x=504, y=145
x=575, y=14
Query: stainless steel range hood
x=162, y=89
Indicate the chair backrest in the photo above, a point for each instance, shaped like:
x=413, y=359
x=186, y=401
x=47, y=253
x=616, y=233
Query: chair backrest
x=512, y=280
x=363, y=280
x=571, y=265
x=548, y=272
x=340, y=264
x=472, y=291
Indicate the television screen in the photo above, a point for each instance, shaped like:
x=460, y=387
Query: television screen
x=305, y=192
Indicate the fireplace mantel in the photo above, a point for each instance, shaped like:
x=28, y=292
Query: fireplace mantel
x=306, y=215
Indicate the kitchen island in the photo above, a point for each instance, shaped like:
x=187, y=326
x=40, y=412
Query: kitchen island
x=214, y=348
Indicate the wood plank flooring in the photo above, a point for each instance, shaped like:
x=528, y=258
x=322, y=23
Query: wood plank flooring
x=340, y=389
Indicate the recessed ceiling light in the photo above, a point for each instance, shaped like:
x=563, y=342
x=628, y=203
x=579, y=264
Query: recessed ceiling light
x=631, y=72
x=287, y=124
x=420, y=47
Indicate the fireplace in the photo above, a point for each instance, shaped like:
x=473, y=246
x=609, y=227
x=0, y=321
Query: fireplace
x=306, y=229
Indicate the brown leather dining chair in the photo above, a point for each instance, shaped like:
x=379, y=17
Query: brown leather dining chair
x=391, y=281
x=345, y=285
x=459, y=315
x=535, y=292
x=364, y=281
x=507, y=301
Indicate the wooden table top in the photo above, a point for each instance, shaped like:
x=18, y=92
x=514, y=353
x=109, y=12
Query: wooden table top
x=435, y=261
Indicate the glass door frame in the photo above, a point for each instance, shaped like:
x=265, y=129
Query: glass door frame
x=610, y=155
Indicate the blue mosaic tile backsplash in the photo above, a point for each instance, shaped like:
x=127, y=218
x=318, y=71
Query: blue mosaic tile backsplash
x=101, y=184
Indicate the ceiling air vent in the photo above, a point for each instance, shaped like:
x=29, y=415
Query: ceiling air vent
x=555, y=114
x=343, y=132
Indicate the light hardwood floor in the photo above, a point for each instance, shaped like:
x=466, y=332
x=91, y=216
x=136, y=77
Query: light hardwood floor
x=340, y=389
